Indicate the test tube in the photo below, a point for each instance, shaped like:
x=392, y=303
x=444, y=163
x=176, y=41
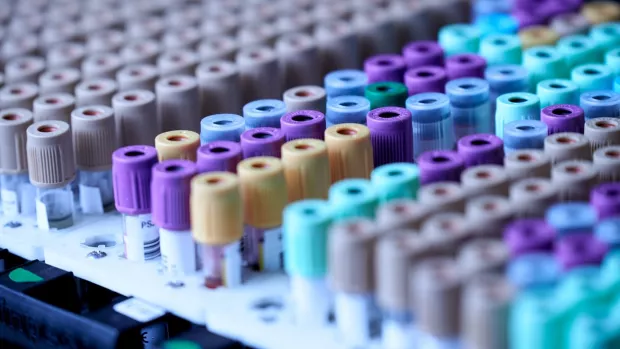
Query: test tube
x=612, y=60
x=593, y=77
x=298, y=59
x=459, y=38
x=101, y=65
x=221, y=127
x=107, y=40
x=465, y=65
x=391, y=135
x=482, y=256
x=386, y=94
x=262, y=141
x=446, y=232
x=604, y=199
x=505, y=78
x=544, y=62
x=221, y=156
x=306, y=169
x=263, y=113
x=218, y=82
x=384, y=67
x=140, y=52
x=183, y=38
x=262, y=180
x=178, y=144
x=170, y=195
x=65, y=55
x=257, y=33
x=533, y=270
x=469, y=106
x=425, y=79
x=569, y=24
x=59, y=80
x=487, y=215
x=599, y=104
x=501, y=49
x=433, y=125
x=399, y=214
x=574, y=179
x=24, y=69
x=423, y=53
x=396, y=181
x=305, y=226
x=607, y=163
x=346, y=109
x=563, y=118
x=16, y=191
x=133, y=199
x=51, y=169
x=531, y=197
x=607, y=231
x=606, y=34
x=524, y=134
x=177, y=62
x=337, y=45
x=305, y=98
x=440, y=165
x=395, y=254
x=572, y=217
x=95, y=92
x=485, y=180
x=178, y=103
x=529, y=236
x=346, y=82
x=567, y=146
x=94, y=141
x=303, y=124
x=557, y=91
x=353, y=198
x=135, y=113
x=537, y=36
x=578, y=250
x=480, y=149
x=137, y=77
x=375, y=29
x=20, y=95
x=350, y=153
x=602, y=132
x=515, y=106
x=579, y=50
x=351, y=256
x=54, y=106
x=216, y=212
x=256, y=66
x=442, y=197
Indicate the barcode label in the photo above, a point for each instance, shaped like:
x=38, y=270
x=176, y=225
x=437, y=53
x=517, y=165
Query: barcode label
x=151, y=249
x=141, y=238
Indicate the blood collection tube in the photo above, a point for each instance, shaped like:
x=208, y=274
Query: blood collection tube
x=436, y=293
x=485, y=316
x=439, y=166
x=133, y=199
x=24, y=69
x=605, y=35
x=65, y=55
x=391, y=135
x=178, y=103
x=178, y=144
x=349, y=148
x=262, y=141
x=480, y=149
x=537, y=36
x=20, y=95
x=602, y=132
x=572, y=217
x=101, y=65
x=346, y=82
x=16, y=191
x=346, y=109
x=337, y=43
x=469, y=104
x=528, y=236
x=59, y=80
x=459, y=38
x=524, y=134
x=298, y=59
x=145, y=27
x=177, y=62
x=482, y=256
x=544, y=62
x=607, y=163
x=574, y=179
x=515, y=106
x=294, y=23
x=108, y=40
x=94, y=141
x=51, y=168
x=505, y=78
x=488, y=215
x=218, y=82
x=579, y=249
x=135, y=113
x=398, y=214
x=423, y=53
x=386, y=94
x=216, y=211
x=557, y=91
x=465, y=65
x=303, y=124
x=425, y=79
x=306, y=169
x=563, y=118
x=530, y=271
x=305, y=226
x=305, y=98
x=257, y=65
x=141, y=52
x=433, y=125
x=263, y=113
x=182, y=38
x=607, y=232
x=257, y=33
x=605, y=199
x=396, y=181
x=385, y=67
x=442, y=197
x=612, y=60
x=446, y=232
x=95, y=92
x=593, y=77
x=567, y=146
x=395, y=254
x=485, y=180
x=375, y=30
x=221, y=127
x=501, y=49
x=351, y=256
x=598, y=104
x=221, y=156
x=531, y=197
x=224, y=23
x=262, y=180
x=53, y=106
x=566, y=24
x=137, y=77
x=578, y=50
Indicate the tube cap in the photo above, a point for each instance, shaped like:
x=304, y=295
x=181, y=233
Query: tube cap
x=51, y=160
x=574, y=179
x=607, y=163
x=350, y=151
x=386, y=94
x=263, y=190
x=305, y=98
x=525, y=134
x=221, y=127
x=94, y=137
x=459, y=38
x=599, y=104
x=178, y=144
x=488, y=215
x=608, y=231
x=527, y=236
x=537, y=35
x=263, y=113
x=446, y=232
x=303, y=124
x=262, y=141
x=13, y=125
x=605, y=199
x=563, y=118
x=567, y=146
x=396, y=181
x=346, y=82
x=483, y=256
x=216, y=208
x=385, y=67
x=602, y=132
x=419, y=53
x=466, y=65
x=440, y=166
x=401, y=214
x=170, y=189
x=347, y=109
x=485, y=180
x=577, y=250
x=218, y=156
x=421, y=79
x=526, y=163
x=442, y=197
x=353, y=198
x=557, y=91
x=571, y=217
x=515, y=106
x=391, y=135
x=131, y=176
x=531, y=197
x=53, y=106
x=481, y=149
x=306, y=169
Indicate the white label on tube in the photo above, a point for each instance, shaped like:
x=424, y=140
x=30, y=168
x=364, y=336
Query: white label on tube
x=90, y=200
x=272, y=249
x=141, y=238
x=233, y=263
x=138, y=310
x=178, y=251
x=42, y=221
x=353, y=318
x=10, y=203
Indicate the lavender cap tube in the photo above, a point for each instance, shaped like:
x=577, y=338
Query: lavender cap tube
x=605, y=199
x=218, y=156
x=419, y=53
x=262, y=141
x=303, y=124
x=440, y=166
x=466, y=65
x=425, y=79
x=481, y=149
x=385, y=67
x=563, y=118
x=391, y=135
x=131, y=177
x=525, y=236
x=579, y=250
x=170, y=194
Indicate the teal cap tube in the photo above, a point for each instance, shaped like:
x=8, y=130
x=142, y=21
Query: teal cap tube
x=617, y=84
x=353, y=198
x=534, y=320
x=610, y=275
x=544, y=62
x=459, y=38
x=501, y=49
x=515, y=106
x=612, y=60
x=593, y=77
x=396, y=181
x=592, y=329
x=606, y=35
x=578, y=50
x=557, y=91
x=305, y=225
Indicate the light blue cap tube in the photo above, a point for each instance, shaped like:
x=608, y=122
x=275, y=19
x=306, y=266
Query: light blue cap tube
x=557, y=91
x=612, y=60
x=347, y=109
x=524, y=134
x=500, y=49
x=496, y=23
x=617, y=84
x=221, y=127
x=459, y=38
x=606, y=35
x=578, y=50
x=534, y=320
x=469, y=105
x=571, y=217
x=533, y=270
x=396, y=181
x=347, y=82
x=544, y=62
x=505, y=78
x=433, y=125
x=305, y=225
x=600, y=104
x=353, y=198
x=263, y=113
x=608, y=231
x=593, y=77
x=515, y=106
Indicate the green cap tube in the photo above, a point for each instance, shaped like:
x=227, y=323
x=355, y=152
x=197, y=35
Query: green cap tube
x=612, y=60
x=557, y=91
x=544, y=62
x=459, y=38
x=578, y=50
x=386, y=94
x=499, y=49
x=396, y=181
x=606, y=35
x=593, y=77
x=353, y=198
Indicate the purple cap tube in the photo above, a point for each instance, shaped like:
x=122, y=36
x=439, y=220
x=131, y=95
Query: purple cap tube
x=262, y=141
x=563, y=118
x=131, y=177
x=426, y=79
x=303, y=124
x=605, y=199
x=419, y=53
x=579, y=250
x=218, y=156
x=481, y=149
x=170, y=194
x=525, y=236
x=385, y=67
x=465, y=65
x=391, y=135
x=440, y=166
